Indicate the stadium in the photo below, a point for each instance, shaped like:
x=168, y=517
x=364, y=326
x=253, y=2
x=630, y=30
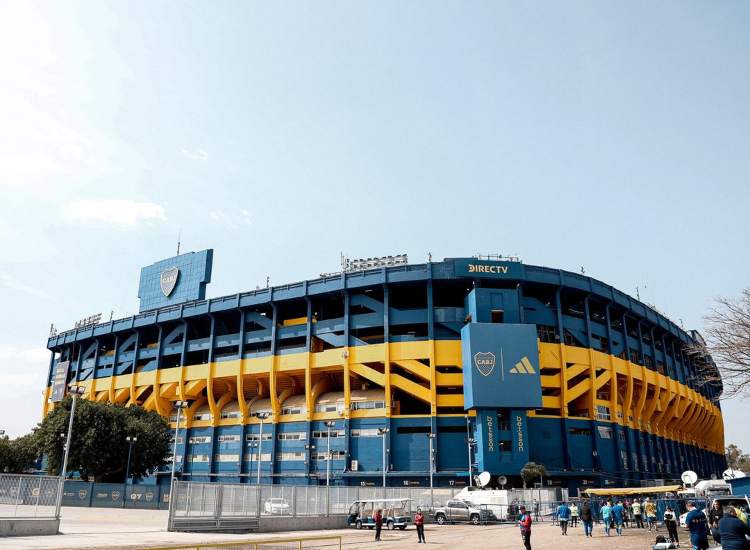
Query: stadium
x=486, y=361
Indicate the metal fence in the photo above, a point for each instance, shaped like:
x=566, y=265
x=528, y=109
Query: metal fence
x=226, y=505
x=27, y=496
x=329, y=542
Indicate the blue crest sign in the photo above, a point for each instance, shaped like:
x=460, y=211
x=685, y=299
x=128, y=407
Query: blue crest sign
x=168, y=280
x=484, y=362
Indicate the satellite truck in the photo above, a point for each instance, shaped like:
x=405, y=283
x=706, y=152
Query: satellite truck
x=707, y=488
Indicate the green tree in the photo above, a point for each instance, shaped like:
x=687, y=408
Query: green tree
x=99, y=450
x=736, y=459
x=532, y=471
x=18, y=455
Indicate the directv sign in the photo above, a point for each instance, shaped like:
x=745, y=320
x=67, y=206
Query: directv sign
x=500, y=366
x=474, y=267
x=175, y=280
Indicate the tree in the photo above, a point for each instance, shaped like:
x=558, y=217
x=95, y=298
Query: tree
x=728, y=341
x=18, y=455
x=736, y=459
x=99, y=449
x=532, y=471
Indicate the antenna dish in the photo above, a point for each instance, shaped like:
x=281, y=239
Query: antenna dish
x=484, y=479
x=502, y=480
x=689, y=477
x=731, y=473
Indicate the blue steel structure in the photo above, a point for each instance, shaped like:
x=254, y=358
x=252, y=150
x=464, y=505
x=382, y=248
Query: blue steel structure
x=621, y=394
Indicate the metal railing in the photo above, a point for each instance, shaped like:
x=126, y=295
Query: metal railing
x=28, y=496
x=297, y=543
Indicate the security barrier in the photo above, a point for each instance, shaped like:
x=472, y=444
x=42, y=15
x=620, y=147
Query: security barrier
x=115, y=495
x=297, y=543
x=28, y=496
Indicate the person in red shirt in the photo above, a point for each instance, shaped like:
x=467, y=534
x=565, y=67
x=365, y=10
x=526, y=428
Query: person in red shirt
x=524, y=522
x=378, y=517
x=419, y=522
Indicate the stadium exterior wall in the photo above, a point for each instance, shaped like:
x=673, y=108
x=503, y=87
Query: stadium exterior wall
x=623, y=395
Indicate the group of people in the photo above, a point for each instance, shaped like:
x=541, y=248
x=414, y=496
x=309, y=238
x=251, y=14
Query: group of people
x=728, y=526
x=418, y=523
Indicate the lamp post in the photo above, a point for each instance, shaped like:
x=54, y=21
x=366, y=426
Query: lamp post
x=329, y=424
x=469, y=442
x=179, y=405
x=262, y=415
x=75, y=391
x=131, y=439
x=382, y=432
x=431, y=437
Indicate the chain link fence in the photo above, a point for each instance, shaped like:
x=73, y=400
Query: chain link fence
x=28, y=496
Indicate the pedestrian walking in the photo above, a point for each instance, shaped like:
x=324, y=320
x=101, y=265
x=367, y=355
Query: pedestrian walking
x=524, y=523
x=378, y=518
x=733, y=531
x=563, y=516
x=419, y=522
x=637, y=513
x=698, y=525
x=617, y=517
x=574, y=515
x=606, y=512
x=587, y=518
x=650, y=509
x=670, y=522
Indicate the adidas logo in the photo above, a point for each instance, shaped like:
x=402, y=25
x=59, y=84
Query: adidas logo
x=523, y=367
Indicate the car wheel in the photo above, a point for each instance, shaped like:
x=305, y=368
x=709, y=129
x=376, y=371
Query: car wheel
x=475, y=519
x=440, y=518
x=389, y=525
x=358, y=524
x=402, y=527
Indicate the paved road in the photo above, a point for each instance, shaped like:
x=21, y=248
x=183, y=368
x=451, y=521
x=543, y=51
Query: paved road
x=100, y=528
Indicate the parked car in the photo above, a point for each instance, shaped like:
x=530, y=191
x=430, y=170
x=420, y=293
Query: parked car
x=277, y=506
x=394, y=510
x=459, y=511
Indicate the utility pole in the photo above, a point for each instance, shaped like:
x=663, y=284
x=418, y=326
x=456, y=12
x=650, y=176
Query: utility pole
x=131, y=441
x=75, y=391
x=383, y=432
x=261, y=416
x=179, y=405
x=431, y=437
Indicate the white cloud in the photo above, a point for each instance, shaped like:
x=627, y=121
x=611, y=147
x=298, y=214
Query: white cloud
x=15, y=284
x=121, y=213
x=231, y=221
x=195, y=154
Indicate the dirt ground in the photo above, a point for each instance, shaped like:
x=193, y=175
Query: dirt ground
x=130, y=529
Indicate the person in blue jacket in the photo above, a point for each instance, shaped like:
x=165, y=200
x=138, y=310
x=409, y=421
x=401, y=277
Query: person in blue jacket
x=697, y=524
x=563, y=516
x=606, y=512
x=733, y=531
x=618, y=513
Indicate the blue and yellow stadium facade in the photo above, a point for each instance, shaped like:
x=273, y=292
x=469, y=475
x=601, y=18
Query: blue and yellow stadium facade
x=623, y=397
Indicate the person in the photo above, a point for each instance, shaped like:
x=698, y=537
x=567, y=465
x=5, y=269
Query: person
x=563, y=516
x=697, y=524
x=650, y=509
x=524, y=523
x=626, y=513
x=670, y=521
x=733, y=531
x=587, y=518
x=419, y=523
x=637, y=513
x=606, y=512
x=715, y=514
x=617, y=517
x=378, y=518
x=574, y=515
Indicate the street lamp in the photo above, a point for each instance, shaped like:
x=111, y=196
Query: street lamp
x=75, y=391
x=469, y=442
x=382, y=432
x=179, y=405
x=131, y=439
x=261, y=415
x=329, y=424
x=431, y=437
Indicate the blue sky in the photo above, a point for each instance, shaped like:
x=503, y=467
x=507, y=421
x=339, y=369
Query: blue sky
x=612, y=136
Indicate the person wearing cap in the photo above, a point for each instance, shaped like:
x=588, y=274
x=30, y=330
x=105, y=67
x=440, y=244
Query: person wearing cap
x=698, y=525
x=524, y=523
x=419, y=523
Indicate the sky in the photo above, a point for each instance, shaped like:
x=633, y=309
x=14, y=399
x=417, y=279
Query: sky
x=608, y=136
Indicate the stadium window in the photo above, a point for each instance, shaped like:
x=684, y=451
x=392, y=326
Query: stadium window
x=580, y=431
x=290, y=456
x=199, y=439
x=324, y=434
x=228, y=438
x=497, y=315
x=291, y=410
x=413, y=430
x=605, y=432
x=230, y=414
x=255, y=437
x=602, y=412
x=547, y=334
x=369, y=432
x=226, y=458
x=506, y=446
x=365, y=405
x=197, y=458
x=202, y=416
x=254, y=457
x=292, y=436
